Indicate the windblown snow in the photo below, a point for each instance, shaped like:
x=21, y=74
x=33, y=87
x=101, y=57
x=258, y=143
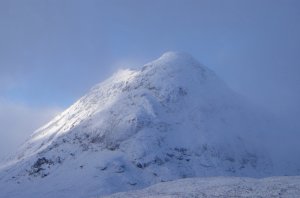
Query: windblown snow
x=172, y=118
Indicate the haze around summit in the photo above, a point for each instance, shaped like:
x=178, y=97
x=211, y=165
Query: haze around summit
x=52, y=52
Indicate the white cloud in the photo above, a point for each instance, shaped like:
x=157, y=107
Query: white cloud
x=18, y=121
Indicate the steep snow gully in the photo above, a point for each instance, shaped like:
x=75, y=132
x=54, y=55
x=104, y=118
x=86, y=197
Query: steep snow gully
x=172, y=118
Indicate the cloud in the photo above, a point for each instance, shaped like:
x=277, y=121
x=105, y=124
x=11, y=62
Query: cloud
x=18, y=121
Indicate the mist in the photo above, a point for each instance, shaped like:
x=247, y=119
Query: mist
x=18, y=122
x=52, y=52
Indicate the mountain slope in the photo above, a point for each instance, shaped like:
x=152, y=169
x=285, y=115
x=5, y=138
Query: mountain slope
x=173, y=118
x=284, y=187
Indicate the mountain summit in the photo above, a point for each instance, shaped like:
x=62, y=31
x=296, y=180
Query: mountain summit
x=172, y=118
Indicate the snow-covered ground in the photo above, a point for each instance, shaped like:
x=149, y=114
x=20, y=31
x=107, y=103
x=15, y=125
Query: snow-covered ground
x=172, y=118
x=221, y=187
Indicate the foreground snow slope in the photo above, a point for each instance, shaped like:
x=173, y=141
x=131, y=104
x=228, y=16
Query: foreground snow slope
x=172, y=118
x=221, y=187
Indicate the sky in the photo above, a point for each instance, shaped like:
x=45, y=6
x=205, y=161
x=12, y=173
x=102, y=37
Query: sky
x=53, y=51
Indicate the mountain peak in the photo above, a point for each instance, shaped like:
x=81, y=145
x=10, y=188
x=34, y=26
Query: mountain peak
x=171, y=55
x=174, y=59
x=178, y=69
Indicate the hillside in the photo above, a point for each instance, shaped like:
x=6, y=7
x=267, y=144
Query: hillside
x=222, y=187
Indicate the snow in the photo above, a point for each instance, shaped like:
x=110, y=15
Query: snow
x=172, y=118
x=284, y=187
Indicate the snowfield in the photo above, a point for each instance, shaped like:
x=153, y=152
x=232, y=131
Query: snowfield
x=172, y=118
x=221, y=187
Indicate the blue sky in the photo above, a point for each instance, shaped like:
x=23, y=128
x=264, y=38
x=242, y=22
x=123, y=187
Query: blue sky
x=52, y=52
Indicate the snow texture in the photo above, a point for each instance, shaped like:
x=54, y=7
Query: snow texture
x=172, y=118
x=221, y=187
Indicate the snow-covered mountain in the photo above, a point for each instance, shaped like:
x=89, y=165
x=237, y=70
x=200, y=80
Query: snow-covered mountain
x=172, y=118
